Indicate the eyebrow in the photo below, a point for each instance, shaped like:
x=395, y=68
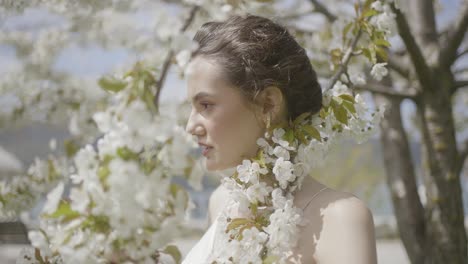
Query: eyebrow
x=199, y=96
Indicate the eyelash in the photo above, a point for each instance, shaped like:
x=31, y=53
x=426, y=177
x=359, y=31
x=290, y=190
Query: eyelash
x=205, y=105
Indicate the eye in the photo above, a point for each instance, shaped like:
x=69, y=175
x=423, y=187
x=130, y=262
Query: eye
x=206, y=106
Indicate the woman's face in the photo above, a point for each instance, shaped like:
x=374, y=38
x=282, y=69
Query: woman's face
x=226, y=128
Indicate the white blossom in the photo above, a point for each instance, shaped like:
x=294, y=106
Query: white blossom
x=250, y=171
x=257, y=192
x=53, y=199
x=377, y=5
x=283, y=171
x=379, y=70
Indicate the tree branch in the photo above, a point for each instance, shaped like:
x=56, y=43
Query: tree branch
x=462, y=53
x=422, y=69
x=397, y=65
x=460, y=84
x=322, y=9
x=168, y=61
x=387, y=90
x=460, y=71
x=295, y=15
x=448, y=53
x=162, y=78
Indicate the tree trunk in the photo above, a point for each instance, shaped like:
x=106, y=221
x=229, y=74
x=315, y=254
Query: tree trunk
x=401, y=179
x=446, y=240
x=446, y=236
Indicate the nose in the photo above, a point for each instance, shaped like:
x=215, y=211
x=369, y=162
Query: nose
x=194, y=126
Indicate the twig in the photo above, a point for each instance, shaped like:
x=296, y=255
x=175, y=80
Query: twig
x=460, y=84
x=162, y=78
x=170, y=55
x=322, y=9
x=462, y=53
x=345, y=62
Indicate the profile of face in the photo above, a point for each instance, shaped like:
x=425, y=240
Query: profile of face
x=224, y=122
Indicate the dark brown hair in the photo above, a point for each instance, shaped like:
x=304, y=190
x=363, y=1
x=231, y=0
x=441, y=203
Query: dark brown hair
x=255, y=53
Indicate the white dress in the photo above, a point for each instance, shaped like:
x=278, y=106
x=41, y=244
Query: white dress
x=200, y=253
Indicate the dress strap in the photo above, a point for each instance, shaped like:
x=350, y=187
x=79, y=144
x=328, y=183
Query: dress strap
x=314, y=197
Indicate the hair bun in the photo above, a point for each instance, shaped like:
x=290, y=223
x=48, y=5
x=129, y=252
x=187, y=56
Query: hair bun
x=256, y=53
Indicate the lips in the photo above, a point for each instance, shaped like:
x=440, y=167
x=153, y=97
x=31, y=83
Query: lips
x=205, y=148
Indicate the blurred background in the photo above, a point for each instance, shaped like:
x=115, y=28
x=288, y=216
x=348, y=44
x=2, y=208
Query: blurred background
x=355, y=168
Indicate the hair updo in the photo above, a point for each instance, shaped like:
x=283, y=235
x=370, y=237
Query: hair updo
x=254, y=53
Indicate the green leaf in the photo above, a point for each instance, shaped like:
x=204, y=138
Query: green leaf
x=270, y=259
x=367, y=53
x=369, y=13
x=97, y=223
x=237, y=222
x=313, y=132
x=174, y=252
x=347, y=97
x=382, y=53
x=64, y=210
x=336, y=56
x=126, y=154
x=261, y=158
x=174, y=188
x=289, y=136
x=340, y=113
x=254, y=207
x=111, y=84
x=103, y=172
x=149, y=165
x=301, y=118
x=70, y=148
x=373, y=57
x=300, y=135
x=368, y=3
x=382, y=42
x=323, y=113
x=367, y=27
x=349, y=106
x=148, y=98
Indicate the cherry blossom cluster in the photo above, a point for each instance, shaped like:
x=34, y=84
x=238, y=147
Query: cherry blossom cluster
x=122, y=204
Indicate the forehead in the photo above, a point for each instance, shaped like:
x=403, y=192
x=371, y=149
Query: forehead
x=205, y=77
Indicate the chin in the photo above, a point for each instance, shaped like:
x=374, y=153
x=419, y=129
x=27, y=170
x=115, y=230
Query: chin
x=211, y=166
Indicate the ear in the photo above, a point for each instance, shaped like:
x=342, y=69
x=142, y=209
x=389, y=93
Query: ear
x=272, y=102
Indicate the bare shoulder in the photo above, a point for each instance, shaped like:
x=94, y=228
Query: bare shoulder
x=346, y=207
x=340, y=230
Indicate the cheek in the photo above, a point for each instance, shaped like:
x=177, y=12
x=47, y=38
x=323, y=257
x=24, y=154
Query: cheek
x=236, y=133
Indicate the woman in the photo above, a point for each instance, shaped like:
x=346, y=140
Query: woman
x=249, y=73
